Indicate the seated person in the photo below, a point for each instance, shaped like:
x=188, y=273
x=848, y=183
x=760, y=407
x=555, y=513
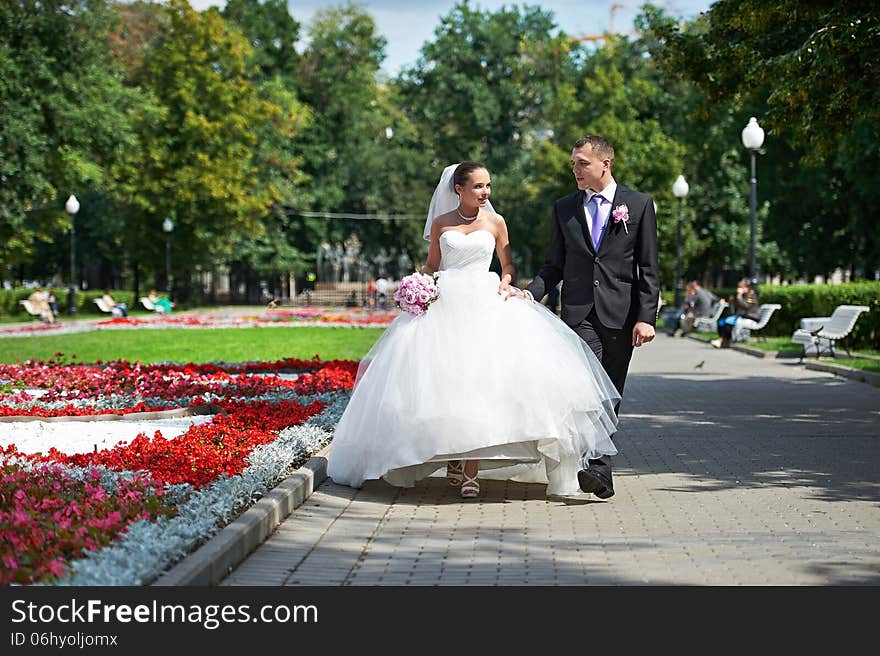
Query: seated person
x=121, y=308
x=53, y=302
x=744, y=304
x=162, y=302
x=39, y=300
x=699, y=303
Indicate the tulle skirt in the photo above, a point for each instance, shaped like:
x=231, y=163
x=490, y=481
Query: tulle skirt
x=476, y=377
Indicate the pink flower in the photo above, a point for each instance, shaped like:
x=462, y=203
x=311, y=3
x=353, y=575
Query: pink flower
x=621, y=213
x=55, y=566
x=416, y=292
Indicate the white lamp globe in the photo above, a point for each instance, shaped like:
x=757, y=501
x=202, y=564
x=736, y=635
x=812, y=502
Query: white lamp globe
x=72, y=205
x=753, y=135
x=680, y=187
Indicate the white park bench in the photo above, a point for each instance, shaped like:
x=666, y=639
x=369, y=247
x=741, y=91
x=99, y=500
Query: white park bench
x=710, y=324
x=147, y=303
x=820, y=334
x=113, y=311
x=745, y=327
x=31, y=310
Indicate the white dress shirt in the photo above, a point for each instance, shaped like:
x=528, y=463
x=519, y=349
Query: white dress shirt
x=604, y=209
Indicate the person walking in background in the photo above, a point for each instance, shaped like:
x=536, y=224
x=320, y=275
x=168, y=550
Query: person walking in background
x=382, y=292
x=371, y=294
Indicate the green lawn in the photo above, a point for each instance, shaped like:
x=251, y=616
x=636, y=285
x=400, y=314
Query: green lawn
x=196, y=345
x=854, y=363
x=775, y=344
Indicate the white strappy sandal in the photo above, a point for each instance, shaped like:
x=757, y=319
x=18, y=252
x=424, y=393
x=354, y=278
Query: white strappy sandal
x=470, y=486
x=454, y=472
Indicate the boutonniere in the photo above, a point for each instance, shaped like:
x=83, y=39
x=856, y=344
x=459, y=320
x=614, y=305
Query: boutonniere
x=621, y=213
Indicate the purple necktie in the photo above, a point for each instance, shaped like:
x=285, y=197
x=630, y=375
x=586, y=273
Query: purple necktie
x=596, y=216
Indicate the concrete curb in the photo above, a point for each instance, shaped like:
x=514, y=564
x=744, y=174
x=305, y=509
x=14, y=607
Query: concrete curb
x=215, y=559
x=869, y=377
x=755, y=352
x=758, y=353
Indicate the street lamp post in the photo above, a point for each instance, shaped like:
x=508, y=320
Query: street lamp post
x=168, y=226
x=680, y=190
x=72, y=207
x=753, y=139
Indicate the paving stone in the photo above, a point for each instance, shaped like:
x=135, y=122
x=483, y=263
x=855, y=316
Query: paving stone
x=744, y=472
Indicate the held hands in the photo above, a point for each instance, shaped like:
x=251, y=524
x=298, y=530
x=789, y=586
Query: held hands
x=507, y=291
x=642, y=333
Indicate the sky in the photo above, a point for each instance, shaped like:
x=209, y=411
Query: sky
x=407, y=24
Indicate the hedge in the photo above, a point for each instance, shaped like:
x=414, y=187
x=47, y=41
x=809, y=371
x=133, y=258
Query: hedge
x=800, y=301
x=85, y=300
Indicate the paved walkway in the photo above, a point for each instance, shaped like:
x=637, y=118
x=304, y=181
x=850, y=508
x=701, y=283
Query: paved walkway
x=733, y=470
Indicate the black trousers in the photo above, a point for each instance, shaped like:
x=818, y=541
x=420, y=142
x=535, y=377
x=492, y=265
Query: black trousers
x=613, y=348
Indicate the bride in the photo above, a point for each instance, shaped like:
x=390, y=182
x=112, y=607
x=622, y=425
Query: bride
x=482, y=381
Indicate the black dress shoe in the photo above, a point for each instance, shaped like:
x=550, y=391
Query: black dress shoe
x=592, y=481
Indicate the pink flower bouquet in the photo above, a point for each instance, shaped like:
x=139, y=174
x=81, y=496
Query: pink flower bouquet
x=416, y=292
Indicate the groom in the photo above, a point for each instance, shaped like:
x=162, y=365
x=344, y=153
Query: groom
x=603, y=247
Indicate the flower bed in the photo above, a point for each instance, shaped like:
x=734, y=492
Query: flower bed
x=124, y=514
x=307, y=316
x=49, y=517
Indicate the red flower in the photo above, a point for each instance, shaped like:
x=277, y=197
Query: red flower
x=42, y=527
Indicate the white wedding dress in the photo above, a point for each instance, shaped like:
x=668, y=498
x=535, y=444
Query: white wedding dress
x=475, y=377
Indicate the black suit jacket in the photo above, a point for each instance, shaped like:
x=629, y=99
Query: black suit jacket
x=620, y=281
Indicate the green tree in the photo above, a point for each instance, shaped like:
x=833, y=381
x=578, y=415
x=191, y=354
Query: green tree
x=275, y=250
x=66, y=115
x=338, y=77
x=617, y=97
x=196, y=159
x=361, y=153
x=272, y=33
x=491, y=87
x=819, y=62
x=486, y=86
x=809, y=71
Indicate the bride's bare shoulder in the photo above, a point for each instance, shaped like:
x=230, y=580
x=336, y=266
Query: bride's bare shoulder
x=441, y=222
x=445, y=220
x=496, y=220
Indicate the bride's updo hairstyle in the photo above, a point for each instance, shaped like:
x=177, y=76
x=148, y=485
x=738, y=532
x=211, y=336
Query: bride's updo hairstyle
x=463, y=172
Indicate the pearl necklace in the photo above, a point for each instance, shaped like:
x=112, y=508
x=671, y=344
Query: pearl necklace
x=467, y=218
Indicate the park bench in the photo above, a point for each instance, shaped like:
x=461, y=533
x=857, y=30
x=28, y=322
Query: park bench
x=114, y=311
x=150, y=306
x=31, y=310
x=822, y=333
x=745, y=327
x=710, y=324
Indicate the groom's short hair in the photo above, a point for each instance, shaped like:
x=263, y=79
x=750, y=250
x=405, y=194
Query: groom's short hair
x=601, y=146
